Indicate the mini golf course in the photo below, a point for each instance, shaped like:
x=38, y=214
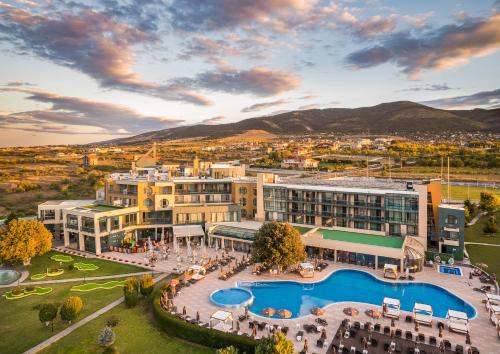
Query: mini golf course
x=85, y=266
x=37, y=291
x=61, y=258
x=94, y=286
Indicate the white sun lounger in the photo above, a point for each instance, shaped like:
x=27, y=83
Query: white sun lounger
x=422, y=314
x=458, y=321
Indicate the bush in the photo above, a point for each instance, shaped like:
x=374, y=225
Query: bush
x=17, y=291
x=112, y=321
x=130, y=292
x=71, y=308
x=491, y=225
x=47, y=313
x=71, y=266
x=106, y=337
x=228, y=350
x=146, y=284
x=30, y=288
x=201, y=335
x=131, y=299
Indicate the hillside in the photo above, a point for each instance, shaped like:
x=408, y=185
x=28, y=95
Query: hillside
x=387, y=118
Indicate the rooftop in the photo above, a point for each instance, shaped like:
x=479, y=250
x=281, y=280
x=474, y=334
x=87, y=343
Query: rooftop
x=100, y=207
x=367, y=239
x=67, y=203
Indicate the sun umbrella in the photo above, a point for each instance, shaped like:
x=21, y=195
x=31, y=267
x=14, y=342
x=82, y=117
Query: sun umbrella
x=268, y=311
x=285, y=313
x=317, y=311
x=184, y=310
x=197, y=316
x=254, y=331
x=306, y=346
x=351, y=311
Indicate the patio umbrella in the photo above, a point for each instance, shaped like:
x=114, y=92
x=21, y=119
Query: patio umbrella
x=197, y=316
x=285, y=313
x=351, y=311
x=306, y=346
x=467, y=339
x=268, y=311
x=184, y=310
x=317, y=311
x=254, y=331
x=238, y=326
x=440, y=332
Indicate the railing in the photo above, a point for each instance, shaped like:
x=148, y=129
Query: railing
x=88, y=229
x=72, y=226
x=156, y=221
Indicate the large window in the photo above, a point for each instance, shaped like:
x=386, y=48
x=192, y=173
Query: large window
x=243, y=190
x=148, y=203
x=451, y=220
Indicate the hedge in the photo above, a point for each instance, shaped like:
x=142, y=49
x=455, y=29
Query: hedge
x=177, y=327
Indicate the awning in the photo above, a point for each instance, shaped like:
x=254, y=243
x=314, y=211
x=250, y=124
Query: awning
x=306, y=266
x=221, y=315
x=188, y=230
x=422, y=307
x=392, y=267
x=452, y=314
x=391, y=301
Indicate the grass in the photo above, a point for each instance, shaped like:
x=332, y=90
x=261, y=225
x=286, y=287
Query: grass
x=475, y=232
x=85, y=266
x=95, y=286
x=40, y=264
x=37, y=291
x=464, y=192
x=20, y=328
x=485, y=254
x=38, y=276
x=367, y=239
x=56, y=273
x=62, y=258
x=134, y=334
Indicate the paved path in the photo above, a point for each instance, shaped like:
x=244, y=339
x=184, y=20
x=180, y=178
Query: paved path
x=55, y=281
x=46, y=343
x=482, y=244
x=476, y=218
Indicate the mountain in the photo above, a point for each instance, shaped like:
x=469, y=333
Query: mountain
x=400, y=117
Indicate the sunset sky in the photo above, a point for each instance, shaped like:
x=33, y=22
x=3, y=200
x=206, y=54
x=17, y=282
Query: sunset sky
x=81, y=71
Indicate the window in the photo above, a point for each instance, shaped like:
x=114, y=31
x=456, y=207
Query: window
x=164, y=203
x=243, y=190
x=243, y=201
x=148, y=203
x=451, y=220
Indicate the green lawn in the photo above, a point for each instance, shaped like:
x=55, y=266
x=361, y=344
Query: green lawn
x=134, y=334
x=40, y=264
x=20, y=328
x=462, y=192
x=85, y=266
x=38, y=290
x=485, y=254
x=475, y=233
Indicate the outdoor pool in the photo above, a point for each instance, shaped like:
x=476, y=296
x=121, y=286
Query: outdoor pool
x=8, y=276
x=450, y=270
x=351, y=286
x=232, y=297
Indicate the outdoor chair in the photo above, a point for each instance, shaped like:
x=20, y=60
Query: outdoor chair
x=409, y=319
x=319, y=343
x=374, y=343
x=447, y=344
x=398, y=333
x=299, y=336
x=377, y=327
x=357, y=325
x=408, y=335
x=459, y=349
x=387, y=330
x=386, y=346
x=261, y=326
x=421, y=338
x=284, y=330
x=474, y=350
x=432, y=340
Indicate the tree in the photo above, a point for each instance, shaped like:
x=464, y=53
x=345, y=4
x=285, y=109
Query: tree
x=71, y=308
x=470, y=210
x=146, y=284
x=278, y=244
x=491, y=225
x=130, y=292
x=107, y=337
x=488, y=202
x=276, y=344
x=228, y=350
x=47, y=314
x=20, y=240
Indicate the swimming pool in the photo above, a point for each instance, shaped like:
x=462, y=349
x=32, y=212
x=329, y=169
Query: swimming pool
x=232, y=297
x=351, y=286
x=450, y=270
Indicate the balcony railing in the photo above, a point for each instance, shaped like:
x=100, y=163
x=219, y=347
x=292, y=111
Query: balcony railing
x=72, y=226
x=88, y=229
x=156, y=221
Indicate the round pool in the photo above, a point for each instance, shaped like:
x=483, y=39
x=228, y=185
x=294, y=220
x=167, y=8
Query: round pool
x=8, y=276
x=232, y=297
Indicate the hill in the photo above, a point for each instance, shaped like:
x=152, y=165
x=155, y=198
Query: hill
x=401, y=117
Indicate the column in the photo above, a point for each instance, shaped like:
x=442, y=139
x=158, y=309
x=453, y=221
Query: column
x=401, y=262
x=376, y=262
x=97, y=245
x=335, y=256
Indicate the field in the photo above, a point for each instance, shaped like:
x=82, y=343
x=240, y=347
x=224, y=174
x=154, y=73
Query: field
x=20, y=328
x=40, y=264
x=475, y=232
x=463, y=192
x=134, y=334
x=485, y=254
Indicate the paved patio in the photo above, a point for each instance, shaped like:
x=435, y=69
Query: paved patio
x=196, y=298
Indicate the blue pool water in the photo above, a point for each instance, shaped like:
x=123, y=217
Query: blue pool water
x=450, y=270
x=352, y=286
x=231, y=297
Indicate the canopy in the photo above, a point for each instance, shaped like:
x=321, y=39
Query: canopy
x=452, y=314
x=306, y=265
x=422, y=307
x=392, y=267
x=392, y=302
x=222, y=316
x=188, y=230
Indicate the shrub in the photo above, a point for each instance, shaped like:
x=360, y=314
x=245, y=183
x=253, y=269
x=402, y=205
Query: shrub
x=47, y=314
x=228, y=350
x=131, y=299
x=17, y=291
x=30, y=288
x=71, y=266
x=130, y=292
x=106, y=337
x=71, y=308
x=491, y=225
x=112, y=321
x=201, y=335
x=146, y=284
x=276, y=344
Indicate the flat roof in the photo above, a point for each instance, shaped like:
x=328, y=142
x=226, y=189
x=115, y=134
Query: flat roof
x=101, y=207
x=302, y=229
x=343, y=189
x=367, y=239
x=67, y=203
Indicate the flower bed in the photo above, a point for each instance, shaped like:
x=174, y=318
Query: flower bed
x=61, y=258
x=54, y=273
x=38, y=276
x=11, y=295
x=94, y=286
x=85, y=266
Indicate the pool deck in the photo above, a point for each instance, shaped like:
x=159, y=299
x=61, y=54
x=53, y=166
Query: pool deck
x=196, y=298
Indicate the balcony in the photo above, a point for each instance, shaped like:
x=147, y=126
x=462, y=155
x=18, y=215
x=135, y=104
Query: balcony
x=374, y=205
x=359, y=203
x=156, y=221
x=72, y=226
x=87, y=229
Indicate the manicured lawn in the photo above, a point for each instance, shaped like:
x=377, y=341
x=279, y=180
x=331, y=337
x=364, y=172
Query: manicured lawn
x=485, y=254
x=40, y=264
x=134, y=334
x=38, y=290
x=85, y=266
x=95, y=286
x=475, y=233
x=462, y=192
x=62, y=258
x=20, y=328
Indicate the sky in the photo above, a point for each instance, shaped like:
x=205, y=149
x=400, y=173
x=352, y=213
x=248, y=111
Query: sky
x=75, y=71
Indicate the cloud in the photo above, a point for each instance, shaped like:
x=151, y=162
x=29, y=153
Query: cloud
x=430, y=87
x=442, y=48
x=258, y=81
x=65, y=112
x=91, y=42
x=213, y=120
x=261, y=106
x=310, y=106
x=483, y=99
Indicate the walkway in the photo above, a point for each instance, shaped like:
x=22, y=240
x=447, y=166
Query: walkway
x=46, y=343
x=482, y=244
x=42, y=282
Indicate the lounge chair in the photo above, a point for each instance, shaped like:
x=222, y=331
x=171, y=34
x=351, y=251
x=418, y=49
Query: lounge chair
x=377, y=327
x=408, y=335
x=299, y=336
x=459, y=349
x=387, y=330
x=432, y=340
x=421, y=338
x=398, y=333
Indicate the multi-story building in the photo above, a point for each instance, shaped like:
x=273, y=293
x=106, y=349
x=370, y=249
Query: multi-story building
x=245, y=194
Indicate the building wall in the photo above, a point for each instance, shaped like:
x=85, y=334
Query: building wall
x=245, y=194
x=451, y=228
